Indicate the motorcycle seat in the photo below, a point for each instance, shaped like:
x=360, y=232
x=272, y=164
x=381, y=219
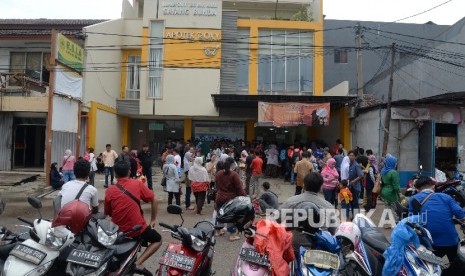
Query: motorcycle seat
x=374, y=238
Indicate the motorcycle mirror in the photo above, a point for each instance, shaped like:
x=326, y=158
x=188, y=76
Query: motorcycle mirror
x=174, y=209
x=34, y=202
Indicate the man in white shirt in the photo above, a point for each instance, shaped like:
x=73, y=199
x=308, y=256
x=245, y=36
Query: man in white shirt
x=70, y=190
x=109, y=156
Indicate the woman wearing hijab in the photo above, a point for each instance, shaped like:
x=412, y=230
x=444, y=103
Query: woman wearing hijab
x=170, y=171
x=345, y=168
x=390, y=188
x=330, y=181
x=200, y=181
x=67, y=166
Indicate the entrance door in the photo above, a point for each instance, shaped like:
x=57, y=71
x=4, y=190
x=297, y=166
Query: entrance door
x=29, y=146
x=426, y=154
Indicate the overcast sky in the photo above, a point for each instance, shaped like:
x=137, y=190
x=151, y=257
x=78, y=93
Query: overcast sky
x=364, y=10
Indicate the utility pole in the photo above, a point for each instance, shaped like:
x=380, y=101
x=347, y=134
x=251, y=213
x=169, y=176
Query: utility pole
x=387, y=118
x=51, y=91
x=358, y=46
x=276, y=9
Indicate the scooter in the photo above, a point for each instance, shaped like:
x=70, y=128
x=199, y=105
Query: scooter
x=453, y=187
x=417, y=261
x=8, y=241
x=358, y=260
x=250, y=262
x=102, y=249
x=194, y=255
x=37, y=255
x=322, y=257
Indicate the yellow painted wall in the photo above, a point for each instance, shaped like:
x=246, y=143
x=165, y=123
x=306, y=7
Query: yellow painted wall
x=254, y=25
x=187, y=129
x=192, y=48
x=125, y=131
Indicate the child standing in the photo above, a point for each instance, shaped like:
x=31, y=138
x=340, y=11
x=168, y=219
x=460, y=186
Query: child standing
x=345, y=196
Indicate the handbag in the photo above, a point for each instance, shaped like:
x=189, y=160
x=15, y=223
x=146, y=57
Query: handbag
x=377, y=186
x=163, y=180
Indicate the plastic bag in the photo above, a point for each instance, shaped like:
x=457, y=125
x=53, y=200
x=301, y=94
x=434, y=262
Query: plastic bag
x=395, y=253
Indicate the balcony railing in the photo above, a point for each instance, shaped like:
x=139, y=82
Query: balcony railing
x=19, y=84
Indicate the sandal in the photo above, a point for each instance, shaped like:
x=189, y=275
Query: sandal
x=219, y=233
x=234, y=238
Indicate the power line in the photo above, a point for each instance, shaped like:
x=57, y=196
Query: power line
x=422, y=12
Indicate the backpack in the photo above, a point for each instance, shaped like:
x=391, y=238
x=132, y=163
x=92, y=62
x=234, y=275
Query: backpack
x=295, y=157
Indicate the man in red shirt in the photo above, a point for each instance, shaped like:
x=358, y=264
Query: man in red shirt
x=126, y=212
x=257, y=170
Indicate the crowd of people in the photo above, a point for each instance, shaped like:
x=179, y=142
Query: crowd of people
x=225, y=170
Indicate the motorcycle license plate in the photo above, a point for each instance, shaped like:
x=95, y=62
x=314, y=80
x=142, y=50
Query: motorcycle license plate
x=28, y=254
x=85, y=258
x=252, y=256
x=321, y=259
x=177, y=261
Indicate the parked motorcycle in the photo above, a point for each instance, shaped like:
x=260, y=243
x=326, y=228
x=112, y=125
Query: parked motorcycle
x=37, y=255
x=417, y=261
x=101, y=249
x=358, y=260
x=317, y=251
x=194, y=255
x=453, y=187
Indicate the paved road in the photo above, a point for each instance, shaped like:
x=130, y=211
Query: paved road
x=225, y=251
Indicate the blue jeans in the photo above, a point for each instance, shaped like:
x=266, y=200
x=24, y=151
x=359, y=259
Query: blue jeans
x=355, y=196
x=188, y=196
x=330, y=196
x=293, y=174
x=68, y=175
x=109, y=171
x=346, y=206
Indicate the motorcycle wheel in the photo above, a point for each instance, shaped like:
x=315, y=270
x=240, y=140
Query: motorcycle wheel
x=352, y=269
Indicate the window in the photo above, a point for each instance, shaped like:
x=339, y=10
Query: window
x=33, y=64
x=285, y=62
x=242, y=60
x=132, y=77
x=340, y=56
x=155, y=59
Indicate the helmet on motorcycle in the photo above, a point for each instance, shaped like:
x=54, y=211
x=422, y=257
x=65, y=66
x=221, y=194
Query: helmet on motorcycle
x=350, y=231
x=239, y=211
x=311, y=213
x=74, y=215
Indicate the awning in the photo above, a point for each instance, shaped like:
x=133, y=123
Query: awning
x=251, y=101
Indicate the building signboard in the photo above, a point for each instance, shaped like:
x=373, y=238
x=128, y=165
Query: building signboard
x=193, y=13
x=293, y=114
x=192, y=48
x=69, y=53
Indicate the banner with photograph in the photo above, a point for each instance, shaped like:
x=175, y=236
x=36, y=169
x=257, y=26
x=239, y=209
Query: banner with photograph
x=293, y=114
